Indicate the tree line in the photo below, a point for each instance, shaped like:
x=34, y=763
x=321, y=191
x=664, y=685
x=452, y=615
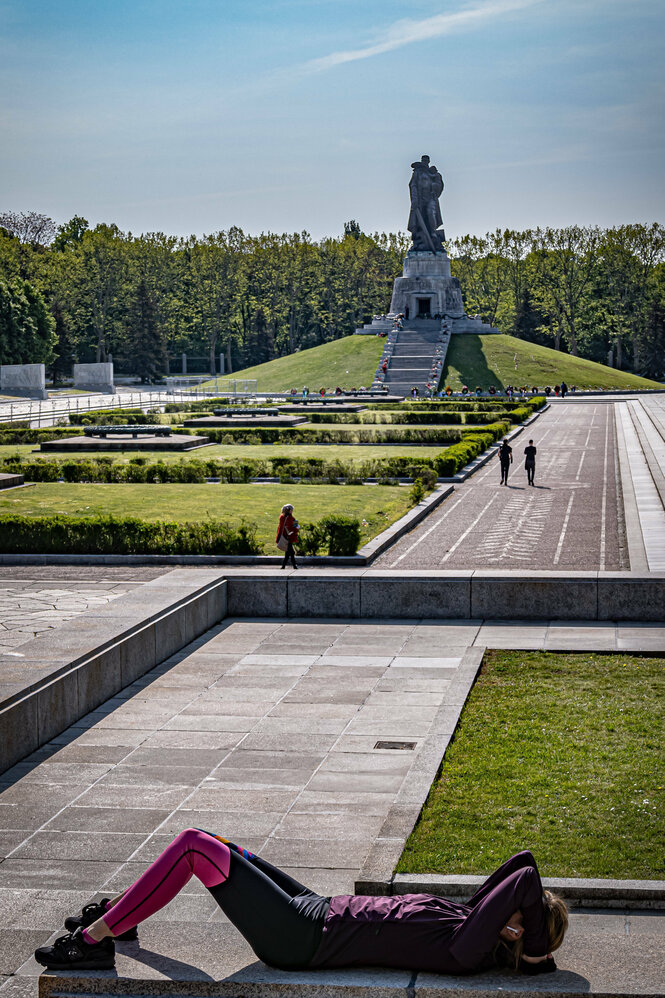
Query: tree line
x=70, y=293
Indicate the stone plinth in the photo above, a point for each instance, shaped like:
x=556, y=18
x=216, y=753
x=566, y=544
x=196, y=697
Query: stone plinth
x=427, y=276
x=123, y=441
x=94, y=377
x=25, y=380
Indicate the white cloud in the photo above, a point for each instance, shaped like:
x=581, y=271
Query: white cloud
x=408, y=31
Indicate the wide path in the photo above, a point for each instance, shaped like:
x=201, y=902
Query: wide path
x=571, y=520
x=273, y=733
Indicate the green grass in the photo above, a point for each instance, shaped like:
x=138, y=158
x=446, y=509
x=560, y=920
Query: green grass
x=558, y=753
x=490, y=360
x=377, y=505
x=348, y=362
x=355, y=454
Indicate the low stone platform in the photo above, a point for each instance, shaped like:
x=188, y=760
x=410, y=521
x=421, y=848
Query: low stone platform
x=300, y=407
x=247, y=422
x=10, y=481
x=120, y=441
x=603, y=955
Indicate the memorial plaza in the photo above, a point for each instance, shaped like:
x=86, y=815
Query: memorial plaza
x=305, y=714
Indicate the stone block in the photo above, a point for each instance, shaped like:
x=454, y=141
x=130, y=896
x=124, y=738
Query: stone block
x=20, y=731
x=138, y=654
x=99, y=679
x=416, y=595
x=534, y=597
x=323, y=597
x=94, y=377
x=171, y=634
x=256, y=596
x=24, y=380
x=631, y=599
x=57, y=706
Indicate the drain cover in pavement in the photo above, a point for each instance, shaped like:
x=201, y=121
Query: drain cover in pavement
x=409, y=746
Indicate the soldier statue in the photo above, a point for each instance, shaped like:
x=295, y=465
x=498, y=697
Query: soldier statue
x=425, y=220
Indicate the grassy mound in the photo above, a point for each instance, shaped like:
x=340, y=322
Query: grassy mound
x=349, y=362
x=505, y=360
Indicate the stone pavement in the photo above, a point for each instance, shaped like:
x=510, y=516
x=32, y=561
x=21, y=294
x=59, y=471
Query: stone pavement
x=34, y=599
x=270, y=732
x=572, y=519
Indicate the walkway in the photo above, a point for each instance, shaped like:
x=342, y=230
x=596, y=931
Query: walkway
x=572, y=519
x=292, y=737
x=34, y=599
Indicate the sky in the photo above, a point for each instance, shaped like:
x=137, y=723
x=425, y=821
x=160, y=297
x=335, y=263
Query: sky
x=290, y=115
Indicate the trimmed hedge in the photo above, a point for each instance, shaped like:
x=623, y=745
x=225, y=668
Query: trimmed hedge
x=122, y=535
x=138, y=470
x=339, y=535
x=10, y=438
x=380, y=434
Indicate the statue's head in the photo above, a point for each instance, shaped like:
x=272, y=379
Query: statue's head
x=424, y=160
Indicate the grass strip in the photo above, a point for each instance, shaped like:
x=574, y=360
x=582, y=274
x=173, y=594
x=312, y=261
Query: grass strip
x=558, y=753
x=375, y=506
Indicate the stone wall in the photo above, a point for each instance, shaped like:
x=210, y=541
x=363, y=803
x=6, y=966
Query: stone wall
x=94, y=377
x=24, y=380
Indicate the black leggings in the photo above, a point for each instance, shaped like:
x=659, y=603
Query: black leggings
x=289, y=553
x=280, y=919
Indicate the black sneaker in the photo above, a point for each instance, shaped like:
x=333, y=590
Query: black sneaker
x=72, y=952
x=90, y=913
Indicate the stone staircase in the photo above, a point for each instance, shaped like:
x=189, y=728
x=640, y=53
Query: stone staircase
x=415, y=356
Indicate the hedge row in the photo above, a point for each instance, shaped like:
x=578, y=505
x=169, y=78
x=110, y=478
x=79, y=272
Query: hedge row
x=123, y=535
x=139, y=469
x=338, y=535
x=413, y=418
x=379, y=435
x=14, y=437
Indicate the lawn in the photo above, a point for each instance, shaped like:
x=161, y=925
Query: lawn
x=329, y=452
x=348, y=362
x=558, y=753
x=490, y=360
x=377, y=506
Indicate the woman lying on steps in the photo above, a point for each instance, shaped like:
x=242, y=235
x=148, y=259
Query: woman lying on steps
x=509, y=920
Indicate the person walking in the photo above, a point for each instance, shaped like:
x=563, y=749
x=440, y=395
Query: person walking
x=505, y=460
x=510, y=920
x=530, y=462
x=564, y=389
x=287, y=534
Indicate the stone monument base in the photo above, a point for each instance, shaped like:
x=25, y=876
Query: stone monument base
x=94, y=378
x=427, y=288
x=27, y=381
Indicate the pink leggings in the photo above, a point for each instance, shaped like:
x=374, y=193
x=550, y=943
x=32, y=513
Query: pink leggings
x=192, y=853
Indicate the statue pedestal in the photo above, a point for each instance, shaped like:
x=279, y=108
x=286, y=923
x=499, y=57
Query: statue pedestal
x=426, y=287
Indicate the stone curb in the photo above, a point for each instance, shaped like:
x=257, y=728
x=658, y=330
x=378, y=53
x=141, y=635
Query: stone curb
x=376, y=875
x=60, y=676
x=582, y=892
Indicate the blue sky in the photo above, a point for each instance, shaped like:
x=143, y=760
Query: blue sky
x=284, y=115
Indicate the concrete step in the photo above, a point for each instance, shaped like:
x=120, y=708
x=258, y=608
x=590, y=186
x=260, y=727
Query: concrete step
x=412, y=350
x=410, y=363
x=604, y=954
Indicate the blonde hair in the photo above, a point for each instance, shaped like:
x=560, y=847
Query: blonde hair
x=556, y=920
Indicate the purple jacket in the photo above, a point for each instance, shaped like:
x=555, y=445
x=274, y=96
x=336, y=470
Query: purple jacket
x=428, y=933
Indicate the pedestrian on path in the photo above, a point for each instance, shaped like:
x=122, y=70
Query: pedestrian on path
x=505, y=459
x=509, y=920
x=530, y=462
x=287, y=534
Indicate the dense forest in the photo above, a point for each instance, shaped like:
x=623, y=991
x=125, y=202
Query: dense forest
x=70, y=293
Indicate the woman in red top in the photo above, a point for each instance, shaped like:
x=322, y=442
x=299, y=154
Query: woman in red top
x=288, y=528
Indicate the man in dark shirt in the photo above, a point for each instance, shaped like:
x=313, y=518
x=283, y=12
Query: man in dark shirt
x=530, y=462
x=505, y=459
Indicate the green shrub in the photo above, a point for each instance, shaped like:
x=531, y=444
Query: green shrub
x=417, y=492
x=123, y=535
x=338, y=535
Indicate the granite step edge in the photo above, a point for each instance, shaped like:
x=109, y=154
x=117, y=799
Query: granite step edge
x=580, y=891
